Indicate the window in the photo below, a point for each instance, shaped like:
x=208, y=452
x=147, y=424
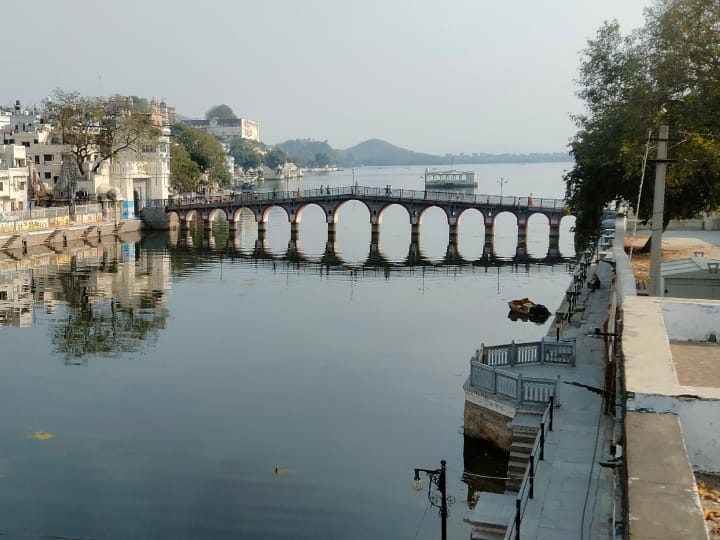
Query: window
x=47, y=176
x=21, y=186
x=3, y=295
x=148, y=148
x=37, y=160
x=55, y=179
x=47, y=157
x=1, y=186
x=26, y=144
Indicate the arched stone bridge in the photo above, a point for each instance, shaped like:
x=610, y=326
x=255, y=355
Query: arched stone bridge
x=415, y=202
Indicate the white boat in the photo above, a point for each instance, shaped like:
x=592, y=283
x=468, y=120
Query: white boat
x=449, y=179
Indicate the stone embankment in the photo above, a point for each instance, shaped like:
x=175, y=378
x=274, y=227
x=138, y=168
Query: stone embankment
x=21, y=241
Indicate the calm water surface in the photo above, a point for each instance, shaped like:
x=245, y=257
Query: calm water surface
x=197, y=392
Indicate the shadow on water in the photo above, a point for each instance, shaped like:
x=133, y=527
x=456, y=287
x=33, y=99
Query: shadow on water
x=485, y=467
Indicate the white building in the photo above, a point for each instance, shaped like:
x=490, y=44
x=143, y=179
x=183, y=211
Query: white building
x=134, y=176
x=227, y=128
x=14, y=178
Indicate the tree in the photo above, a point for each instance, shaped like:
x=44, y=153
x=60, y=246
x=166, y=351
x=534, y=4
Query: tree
x=275, y=158
x=98, y=129
x=205, y=150
x=223, y=112
x=184, y=172
x=322, y=159
x=246, y=152
x=666, y=73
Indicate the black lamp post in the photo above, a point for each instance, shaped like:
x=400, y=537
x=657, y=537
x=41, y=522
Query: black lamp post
x=438, y=477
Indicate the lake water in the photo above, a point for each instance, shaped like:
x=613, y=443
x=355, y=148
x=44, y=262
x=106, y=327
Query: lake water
x=154, y=391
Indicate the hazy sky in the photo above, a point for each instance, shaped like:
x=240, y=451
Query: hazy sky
x=431, y=76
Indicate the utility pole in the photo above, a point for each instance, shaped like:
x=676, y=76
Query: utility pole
x=657, y=215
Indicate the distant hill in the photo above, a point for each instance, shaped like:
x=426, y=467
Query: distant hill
x=379, y=152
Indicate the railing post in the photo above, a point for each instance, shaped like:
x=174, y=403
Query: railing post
x=494, y=380
x=542, y=350
x=519, y=393
x=542, y=441
x=552, y=407
x=532, y=476
x=518, y=517
x=513, y=353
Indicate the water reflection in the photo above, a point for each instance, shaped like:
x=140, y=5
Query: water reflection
x=236, y=245
x=107, y=298
x=485, y=468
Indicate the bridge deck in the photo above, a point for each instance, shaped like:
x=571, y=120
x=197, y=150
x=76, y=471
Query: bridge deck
x=330, y=194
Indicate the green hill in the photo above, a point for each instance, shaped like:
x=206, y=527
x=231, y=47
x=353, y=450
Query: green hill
x=379, y=152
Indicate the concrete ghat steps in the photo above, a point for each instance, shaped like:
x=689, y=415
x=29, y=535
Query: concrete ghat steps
x=51, y=237
x=491, y=516
x=10, y=241
x=525, y=427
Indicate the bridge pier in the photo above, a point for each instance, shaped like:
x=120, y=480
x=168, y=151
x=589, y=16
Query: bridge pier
x=374, y=233
x=294, y=231
x=413, y=254
x=452, y=233
x=451, y=254
x=415, y=233
x=331, y=232
x=292, y=250
x=232, y=229
x=262, y=229
x=185, y=237
x=554, y=247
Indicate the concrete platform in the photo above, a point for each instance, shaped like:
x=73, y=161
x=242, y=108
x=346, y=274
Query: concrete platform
x=662, y=492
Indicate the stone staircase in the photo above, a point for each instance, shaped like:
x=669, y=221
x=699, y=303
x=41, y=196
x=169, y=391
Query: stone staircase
x=51, y=237
x=10, y=241
x=525, y=427
x=87, y=232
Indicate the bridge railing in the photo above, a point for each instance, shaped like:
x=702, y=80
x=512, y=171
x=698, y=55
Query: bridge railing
x=365, y=192
x=546, y=351
x=522, y=390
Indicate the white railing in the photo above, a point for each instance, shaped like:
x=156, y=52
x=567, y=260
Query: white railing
x=38, y=213
x=522, y=390
x=546, y=351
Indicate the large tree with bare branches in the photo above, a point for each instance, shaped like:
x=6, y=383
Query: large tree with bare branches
x=98, y=129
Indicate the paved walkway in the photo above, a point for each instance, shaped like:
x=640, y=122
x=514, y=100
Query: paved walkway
x=573, y=493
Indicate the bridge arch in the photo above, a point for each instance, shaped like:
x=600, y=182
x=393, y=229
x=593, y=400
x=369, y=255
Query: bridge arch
x=538, y=235
x=471, y=237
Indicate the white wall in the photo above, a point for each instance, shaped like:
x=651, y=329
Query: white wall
x=691, y=321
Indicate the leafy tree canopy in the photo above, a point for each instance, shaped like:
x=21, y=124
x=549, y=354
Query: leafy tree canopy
x=223, y=112
x=248, y=154
x=275, y=158
x=205, y=150
x=665, y=73
x=185, y=174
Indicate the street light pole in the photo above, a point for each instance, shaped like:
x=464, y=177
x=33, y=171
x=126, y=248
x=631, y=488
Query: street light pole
x=502, y=182
x=438, y=477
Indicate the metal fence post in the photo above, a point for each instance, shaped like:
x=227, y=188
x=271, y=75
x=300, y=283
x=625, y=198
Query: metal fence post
x=532, y=476
x=542, y=441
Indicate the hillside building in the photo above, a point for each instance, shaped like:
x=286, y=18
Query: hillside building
x=227, y=128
